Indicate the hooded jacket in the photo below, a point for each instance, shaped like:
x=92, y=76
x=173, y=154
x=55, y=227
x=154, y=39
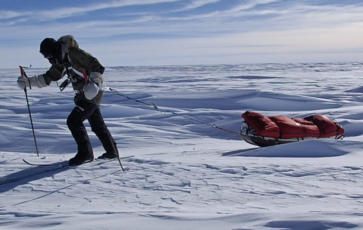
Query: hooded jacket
x=74, y=60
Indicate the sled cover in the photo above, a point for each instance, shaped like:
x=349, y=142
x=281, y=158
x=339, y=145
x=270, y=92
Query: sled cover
x=318, y=126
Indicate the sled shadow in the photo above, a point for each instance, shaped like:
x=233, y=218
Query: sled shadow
x=237, y=152
x=289, y=151
x=27, y=175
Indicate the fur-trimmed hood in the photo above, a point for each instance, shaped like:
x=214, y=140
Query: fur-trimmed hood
x=68, y=42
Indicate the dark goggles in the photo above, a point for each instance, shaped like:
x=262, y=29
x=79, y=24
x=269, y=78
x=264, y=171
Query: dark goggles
x=46, y=55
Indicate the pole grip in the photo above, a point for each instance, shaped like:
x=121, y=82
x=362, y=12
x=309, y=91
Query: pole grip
x=23, y=74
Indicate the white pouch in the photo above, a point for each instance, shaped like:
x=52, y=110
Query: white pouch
x=90, y=90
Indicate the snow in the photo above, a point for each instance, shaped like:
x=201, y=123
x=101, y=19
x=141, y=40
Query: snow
x=183, y=173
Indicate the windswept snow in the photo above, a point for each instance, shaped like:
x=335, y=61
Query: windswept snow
x=183, y=173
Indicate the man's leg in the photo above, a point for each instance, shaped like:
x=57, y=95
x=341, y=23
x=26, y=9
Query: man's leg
x=75, y=124
x=100, y=129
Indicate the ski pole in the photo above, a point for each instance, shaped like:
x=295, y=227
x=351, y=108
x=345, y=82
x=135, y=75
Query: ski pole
x=23, y=74
x=116, y=152
x=119, y=161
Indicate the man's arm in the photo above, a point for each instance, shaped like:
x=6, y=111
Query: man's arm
x=53, y=74
x=42, y=80
x=85, y=60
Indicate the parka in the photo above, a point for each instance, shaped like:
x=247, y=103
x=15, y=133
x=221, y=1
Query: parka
x=74, y=60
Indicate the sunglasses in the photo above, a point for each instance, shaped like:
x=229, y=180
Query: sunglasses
x=47, y=56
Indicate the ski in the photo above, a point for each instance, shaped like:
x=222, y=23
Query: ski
x=64, y=164
x=61, y=163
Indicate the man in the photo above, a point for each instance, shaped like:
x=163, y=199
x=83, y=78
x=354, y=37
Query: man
x=85, y=73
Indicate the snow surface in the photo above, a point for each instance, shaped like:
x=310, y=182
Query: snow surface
x=185, y=174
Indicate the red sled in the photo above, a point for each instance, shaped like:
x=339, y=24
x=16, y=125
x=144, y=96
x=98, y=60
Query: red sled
x=260, y=130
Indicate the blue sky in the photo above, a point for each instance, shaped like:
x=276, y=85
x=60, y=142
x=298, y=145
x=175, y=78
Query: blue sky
x=179, y=32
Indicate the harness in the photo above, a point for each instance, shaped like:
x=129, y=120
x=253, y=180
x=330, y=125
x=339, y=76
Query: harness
x=78, y=91
x=71, y=78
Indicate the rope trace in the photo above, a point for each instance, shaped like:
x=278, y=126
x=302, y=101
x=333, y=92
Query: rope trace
x=153, y=106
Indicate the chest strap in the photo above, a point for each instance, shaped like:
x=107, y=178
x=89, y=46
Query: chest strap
x=78, y=91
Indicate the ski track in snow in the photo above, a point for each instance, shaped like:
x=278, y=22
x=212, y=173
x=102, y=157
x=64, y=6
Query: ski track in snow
x=184, y=174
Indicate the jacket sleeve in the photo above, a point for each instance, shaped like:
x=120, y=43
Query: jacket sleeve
x=81, y=58
x=53, y=74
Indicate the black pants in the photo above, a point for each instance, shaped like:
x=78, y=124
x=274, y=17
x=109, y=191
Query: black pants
x=86, y=110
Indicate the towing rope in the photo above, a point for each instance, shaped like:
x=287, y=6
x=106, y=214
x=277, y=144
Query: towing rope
x=153, y=106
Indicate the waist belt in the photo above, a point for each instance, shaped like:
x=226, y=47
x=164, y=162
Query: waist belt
x=78, y=91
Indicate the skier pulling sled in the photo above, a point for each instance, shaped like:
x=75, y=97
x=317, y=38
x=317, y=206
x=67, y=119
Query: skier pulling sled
x=262, y=131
